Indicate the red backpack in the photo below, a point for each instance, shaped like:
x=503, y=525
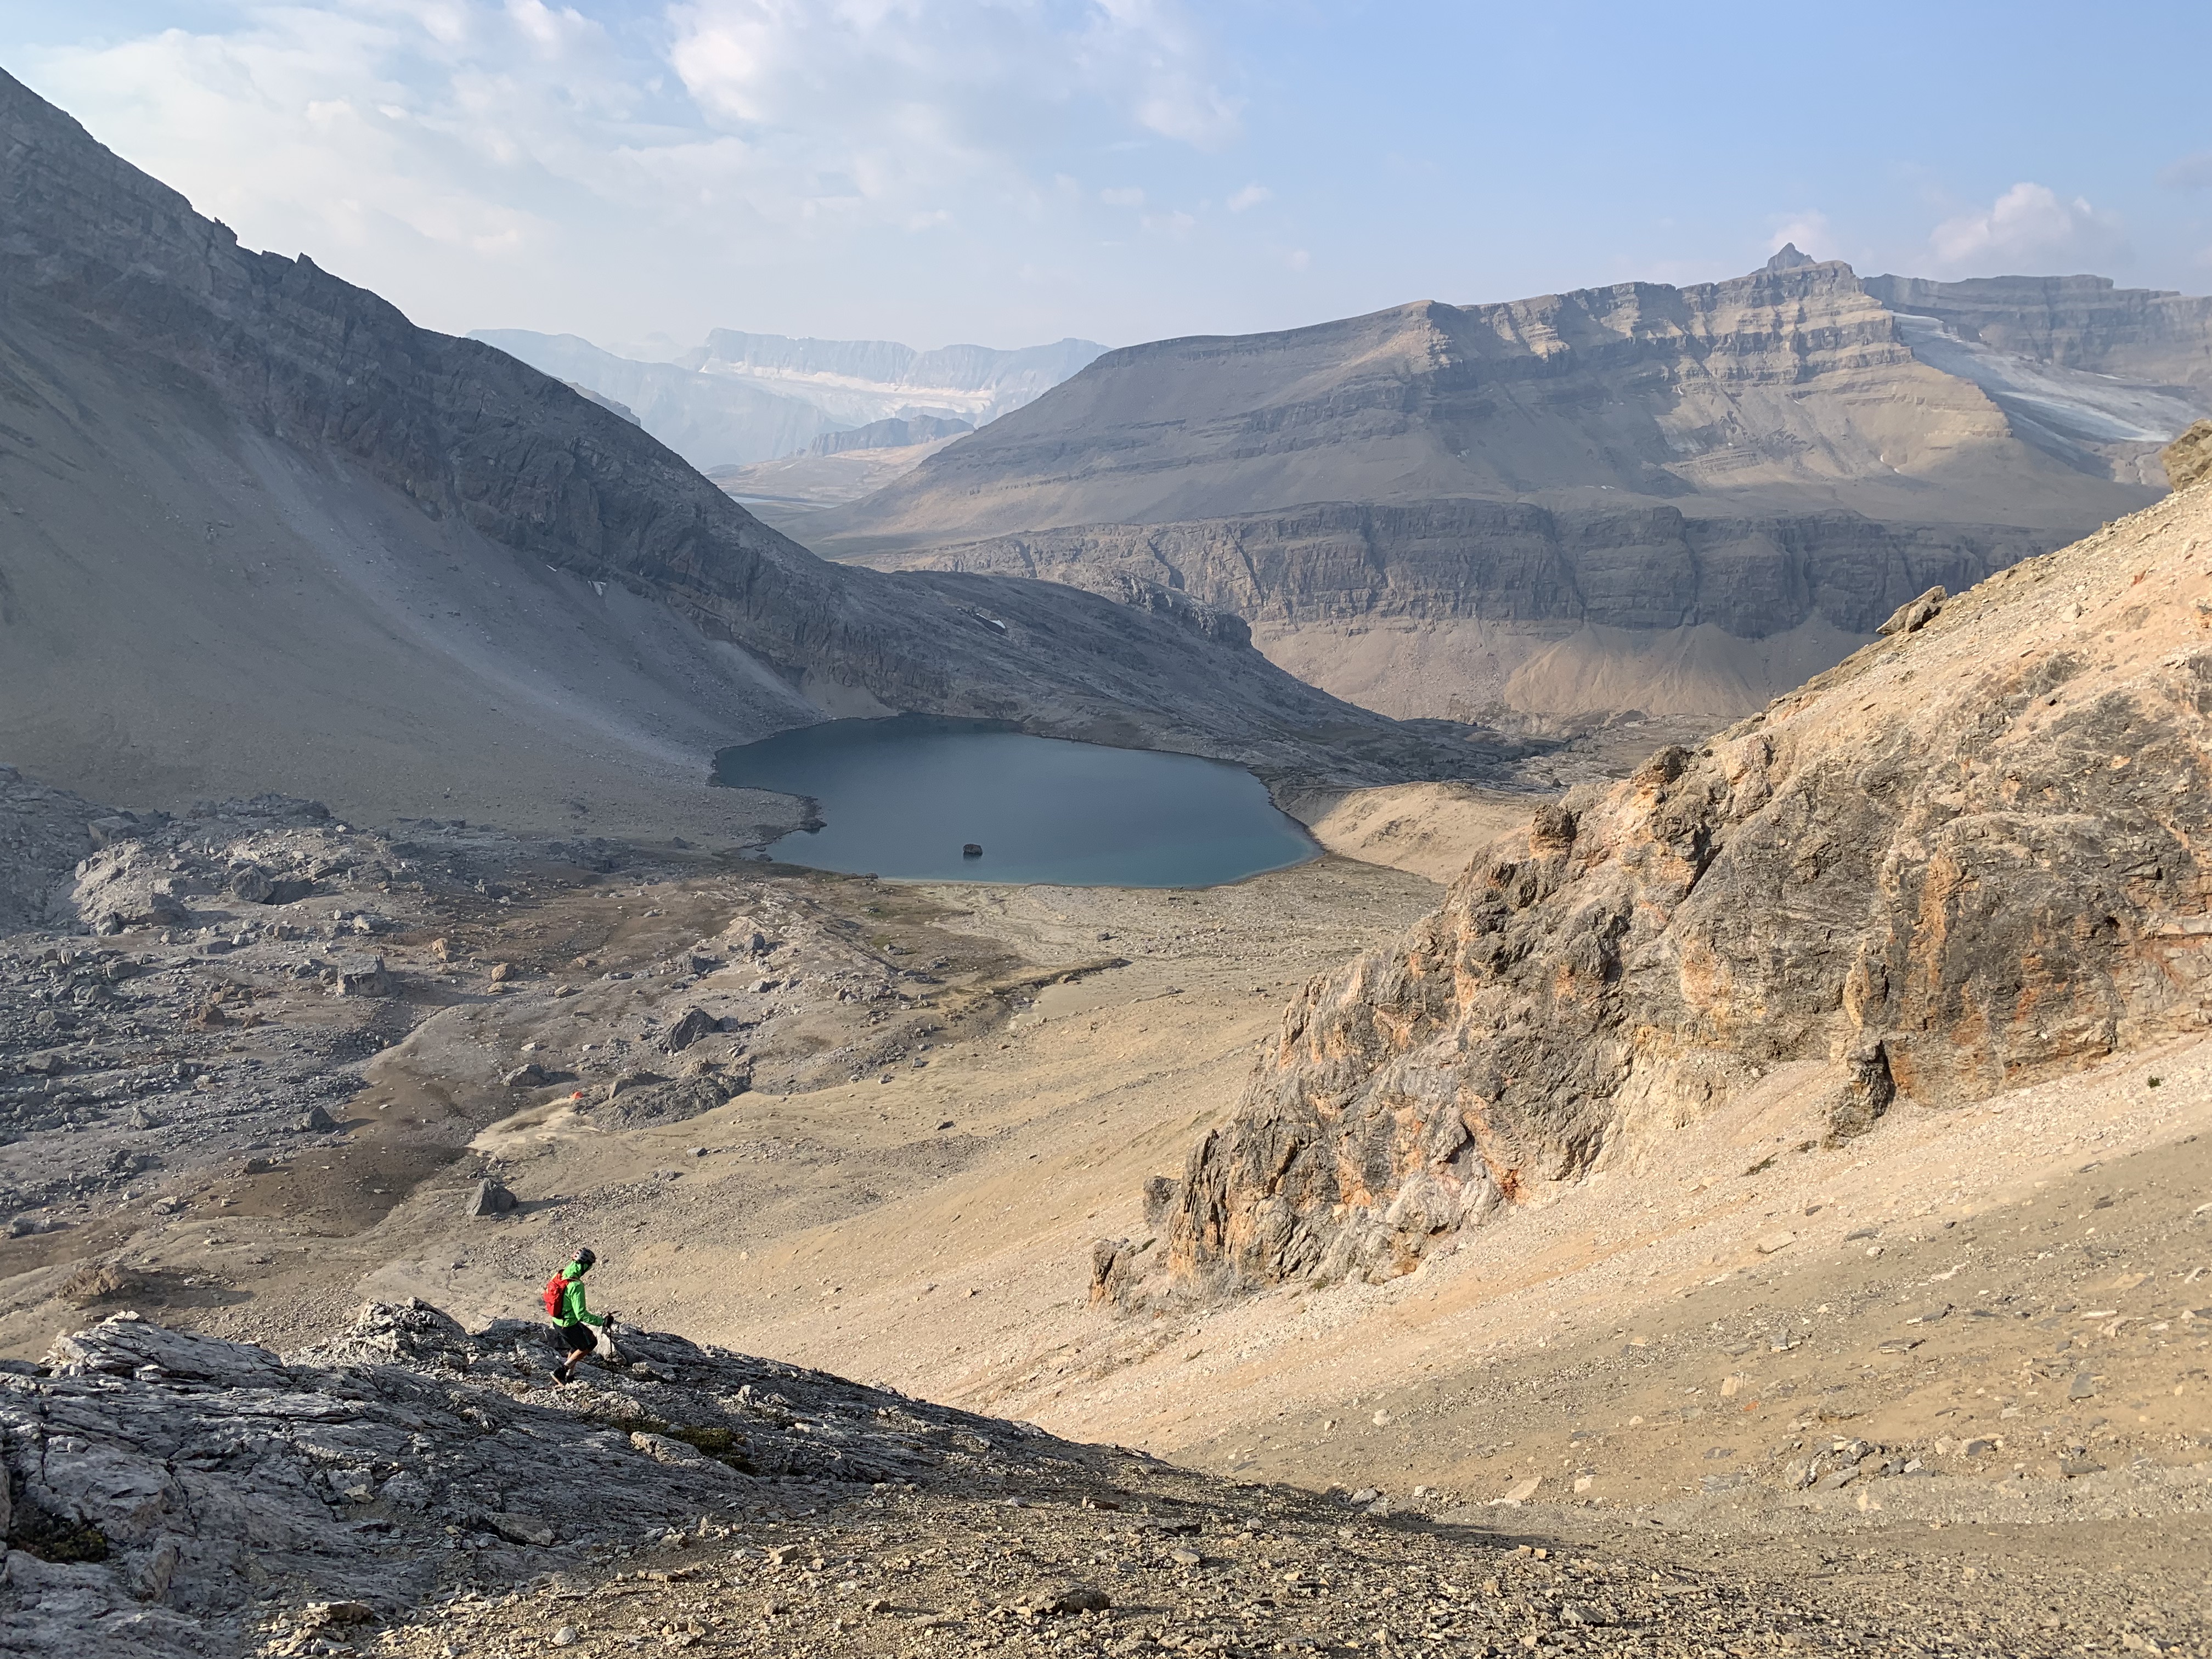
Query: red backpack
x=556, y=1289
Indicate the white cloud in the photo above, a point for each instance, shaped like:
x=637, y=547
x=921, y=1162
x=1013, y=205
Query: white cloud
x=486, y=162
x=1250, y=196
x=1127, y=197
x=919, y=94
x=357, y=128
x=1809, y=232
x=2029, y=226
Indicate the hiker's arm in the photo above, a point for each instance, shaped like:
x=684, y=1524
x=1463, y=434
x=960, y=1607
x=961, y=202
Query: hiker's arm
x=577, y=1311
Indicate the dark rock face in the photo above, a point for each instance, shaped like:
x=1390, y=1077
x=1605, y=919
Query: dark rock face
x=1969, y=857
x=695, y=1023
x=159, y=1480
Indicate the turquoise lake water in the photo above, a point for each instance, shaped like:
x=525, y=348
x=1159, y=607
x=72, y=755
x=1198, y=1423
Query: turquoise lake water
x=900, y=796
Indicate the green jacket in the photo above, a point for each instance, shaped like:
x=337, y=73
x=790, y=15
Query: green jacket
x=573, y=1310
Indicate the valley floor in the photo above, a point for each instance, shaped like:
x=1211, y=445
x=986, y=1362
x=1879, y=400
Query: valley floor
x=1961, y=1361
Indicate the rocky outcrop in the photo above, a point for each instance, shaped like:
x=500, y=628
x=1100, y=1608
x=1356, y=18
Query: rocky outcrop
x=1969, y=856
x=2187, y=458
x=898, y=432
x=165, y=1488
x=44, y=835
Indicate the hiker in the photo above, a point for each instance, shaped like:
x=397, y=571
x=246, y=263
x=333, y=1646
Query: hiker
x=571, y=1320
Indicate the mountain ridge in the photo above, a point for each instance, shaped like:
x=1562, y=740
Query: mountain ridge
x=742, y=398
x=1788, y=407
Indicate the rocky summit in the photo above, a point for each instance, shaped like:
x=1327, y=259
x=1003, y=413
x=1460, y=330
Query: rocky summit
x=1969, y=857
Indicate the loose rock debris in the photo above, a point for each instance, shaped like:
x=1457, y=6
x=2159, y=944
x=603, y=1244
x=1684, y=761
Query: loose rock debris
x=408, y=1488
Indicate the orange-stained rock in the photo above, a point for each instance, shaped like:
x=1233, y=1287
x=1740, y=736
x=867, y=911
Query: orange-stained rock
x=1971, y=856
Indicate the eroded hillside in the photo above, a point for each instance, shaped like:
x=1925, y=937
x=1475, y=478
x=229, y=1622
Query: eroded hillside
x=1968, y=858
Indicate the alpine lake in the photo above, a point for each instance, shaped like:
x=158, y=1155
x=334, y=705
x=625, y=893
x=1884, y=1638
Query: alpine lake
x=921, y=797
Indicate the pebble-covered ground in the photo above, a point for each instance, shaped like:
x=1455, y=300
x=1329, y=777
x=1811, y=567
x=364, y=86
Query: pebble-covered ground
x=1160, y=1562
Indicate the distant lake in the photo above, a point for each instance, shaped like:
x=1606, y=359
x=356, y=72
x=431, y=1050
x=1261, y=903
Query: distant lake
x=901, y=797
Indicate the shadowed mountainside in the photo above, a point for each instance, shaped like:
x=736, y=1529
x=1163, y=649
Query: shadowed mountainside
x=265, y=532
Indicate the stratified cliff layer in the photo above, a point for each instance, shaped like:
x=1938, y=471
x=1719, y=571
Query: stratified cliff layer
x=1366, y=599
x=1970, y=855
x=2152, y=336
x=264, y=533
x=1414, y=508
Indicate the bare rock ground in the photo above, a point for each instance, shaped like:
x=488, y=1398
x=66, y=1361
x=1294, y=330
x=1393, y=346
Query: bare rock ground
x=1923, y=1379
x=933, y=1233
x=409, y=1488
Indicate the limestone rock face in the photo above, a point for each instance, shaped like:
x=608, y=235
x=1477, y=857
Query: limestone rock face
x=1646, y=570
x=1969, y=856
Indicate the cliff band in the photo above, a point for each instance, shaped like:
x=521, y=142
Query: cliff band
x=1681, y=500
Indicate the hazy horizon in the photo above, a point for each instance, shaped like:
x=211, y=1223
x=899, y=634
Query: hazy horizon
x=1008, y=172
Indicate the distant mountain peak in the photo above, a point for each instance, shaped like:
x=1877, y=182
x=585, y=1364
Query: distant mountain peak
x=1790, y=258
x=742, y=398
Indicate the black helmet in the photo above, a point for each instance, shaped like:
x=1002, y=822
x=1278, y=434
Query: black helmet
x=583, y=1258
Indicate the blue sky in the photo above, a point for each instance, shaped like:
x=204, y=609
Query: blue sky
x=1013, y=171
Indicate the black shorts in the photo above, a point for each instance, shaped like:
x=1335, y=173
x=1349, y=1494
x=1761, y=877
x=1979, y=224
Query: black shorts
x=578, y=1339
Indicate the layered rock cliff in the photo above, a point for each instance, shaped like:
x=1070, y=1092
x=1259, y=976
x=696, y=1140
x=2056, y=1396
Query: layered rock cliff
x=1968, y=857
x=2151, y=335
x=1413, y=508
x=1649, y=569
x=261, y=522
